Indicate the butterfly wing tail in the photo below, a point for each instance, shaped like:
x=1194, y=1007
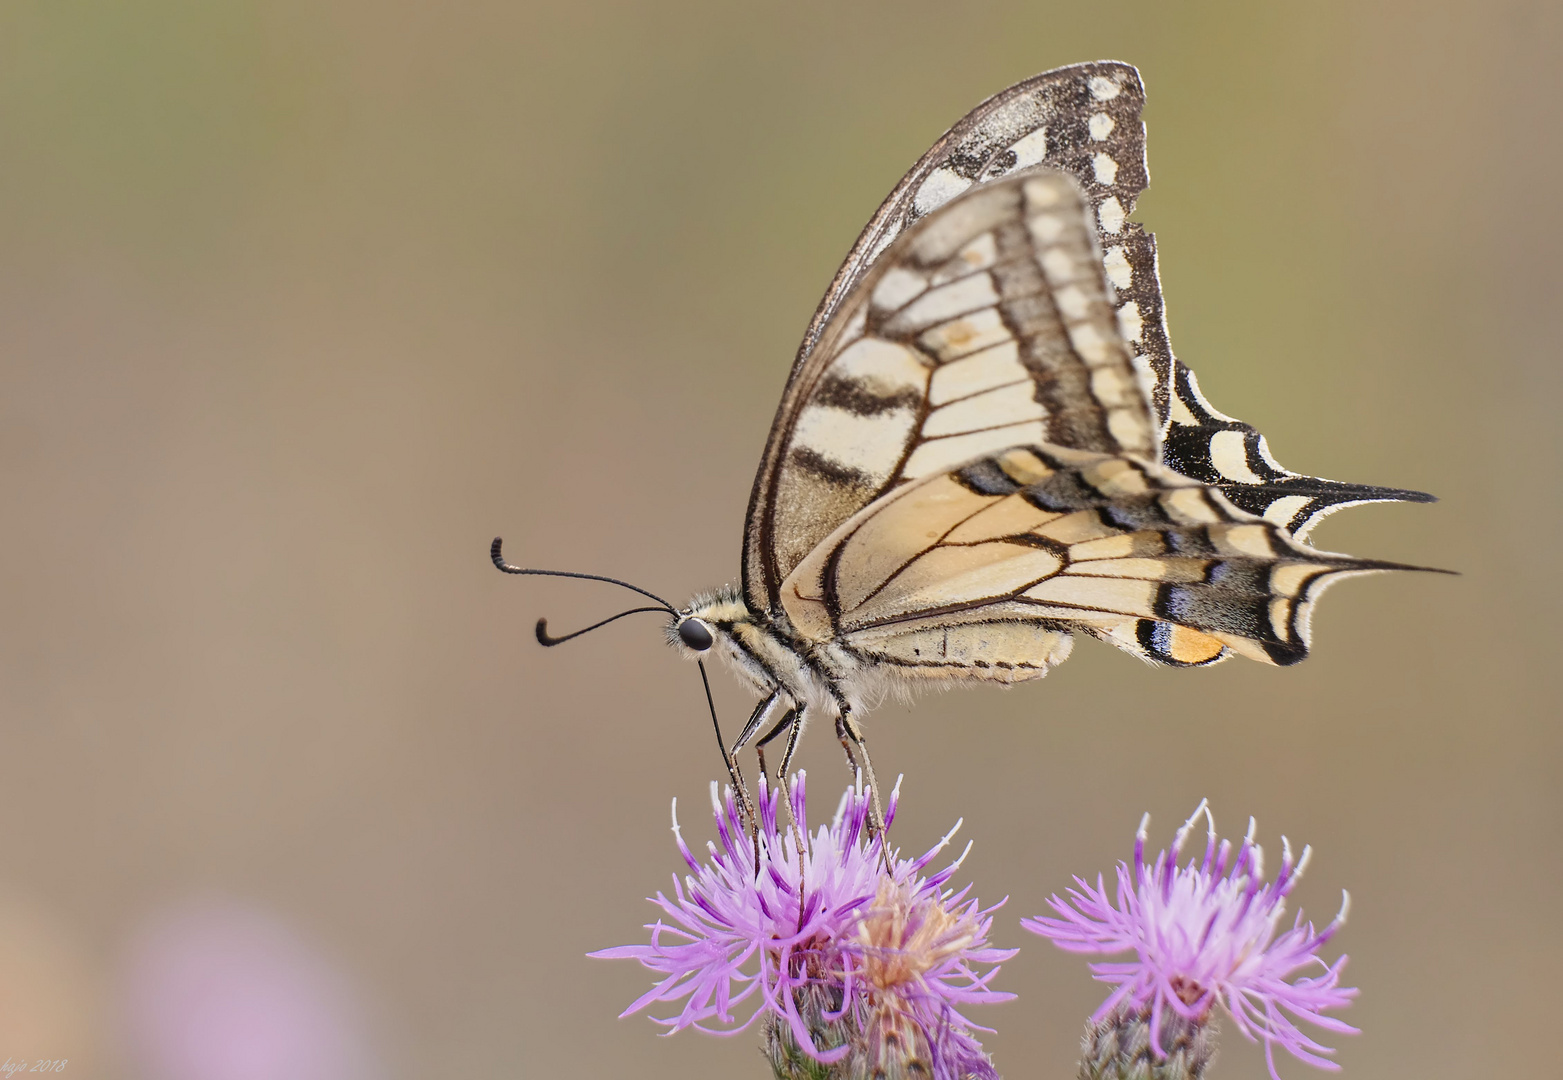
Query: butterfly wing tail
x=1206, y=445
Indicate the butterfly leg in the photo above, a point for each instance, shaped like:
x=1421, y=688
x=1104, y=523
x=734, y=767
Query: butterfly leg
x=757, y=720
x=846, y=746
x=852, y=739
x=792, y=723
x=761, y=713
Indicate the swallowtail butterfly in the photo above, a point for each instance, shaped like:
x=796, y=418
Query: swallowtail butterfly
x=986, y=447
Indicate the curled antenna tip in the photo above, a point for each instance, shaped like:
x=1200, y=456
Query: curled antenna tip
x=495, y=552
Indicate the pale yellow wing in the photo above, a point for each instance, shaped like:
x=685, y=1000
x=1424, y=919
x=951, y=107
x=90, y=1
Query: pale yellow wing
x=984, y=570
x=986, y=325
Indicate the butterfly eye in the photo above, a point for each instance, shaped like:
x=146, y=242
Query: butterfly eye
x=696, y=634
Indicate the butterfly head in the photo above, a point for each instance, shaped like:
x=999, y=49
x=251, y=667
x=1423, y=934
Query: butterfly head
x=721, y=624
x=695, y=633
x=707, y=623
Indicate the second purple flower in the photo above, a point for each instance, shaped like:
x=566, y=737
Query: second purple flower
x=1205, y=933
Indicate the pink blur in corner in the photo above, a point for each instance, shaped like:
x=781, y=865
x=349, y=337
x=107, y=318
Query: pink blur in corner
x=229, y=992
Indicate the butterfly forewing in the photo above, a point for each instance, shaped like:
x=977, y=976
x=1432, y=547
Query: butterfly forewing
x=986, y=325
x=1083, y=119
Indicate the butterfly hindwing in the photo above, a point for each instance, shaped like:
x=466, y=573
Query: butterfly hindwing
x=986, y=325
x=1202, y=443
x=983, y=571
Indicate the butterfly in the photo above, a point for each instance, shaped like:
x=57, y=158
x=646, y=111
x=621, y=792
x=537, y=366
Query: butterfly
x=986, y=448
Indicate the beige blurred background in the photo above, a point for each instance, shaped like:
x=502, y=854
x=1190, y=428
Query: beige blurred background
x=302, y=303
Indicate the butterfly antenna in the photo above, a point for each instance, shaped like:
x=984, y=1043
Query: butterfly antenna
x=495, y=552
x=545, y=638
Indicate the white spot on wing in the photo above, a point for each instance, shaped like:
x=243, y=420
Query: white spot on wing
x=1116, y=263
x=1101, y=126
x=1130, y=324
x=1110, y=214
x=1105, y=168
x=1103, y=88
x=1230, y=457
x=1030, y=149
x=941, y=186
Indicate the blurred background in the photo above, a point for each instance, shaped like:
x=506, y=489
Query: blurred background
x=302, y=303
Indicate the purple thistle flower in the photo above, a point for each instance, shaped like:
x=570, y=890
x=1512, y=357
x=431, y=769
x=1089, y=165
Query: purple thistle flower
x=1207, y=933
x=896, y=953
